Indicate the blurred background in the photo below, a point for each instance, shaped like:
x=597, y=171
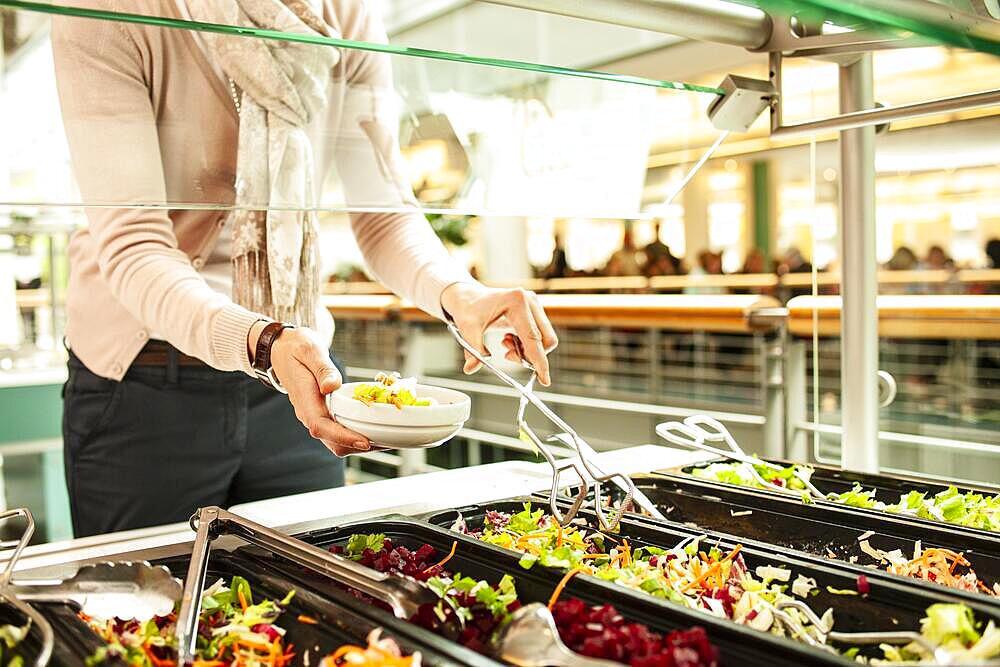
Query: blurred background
x=570, y=185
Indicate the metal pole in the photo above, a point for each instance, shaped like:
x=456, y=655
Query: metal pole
x=859, y=283
x=850, y=120
x=704, y=20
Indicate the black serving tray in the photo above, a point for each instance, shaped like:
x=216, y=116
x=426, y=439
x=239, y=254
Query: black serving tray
x=342, y=618
x=893, y=602
x=738, y=645
x=820, y=529
x=823, y=529
x=74, y=641
x=888, y=488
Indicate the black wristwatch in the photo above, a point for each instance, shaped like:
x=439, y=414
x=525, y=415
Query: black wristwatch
x=262, y=356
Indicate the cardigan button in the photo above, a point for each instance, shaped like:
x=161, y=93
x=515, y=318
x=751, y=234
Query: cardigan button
x=198, y=262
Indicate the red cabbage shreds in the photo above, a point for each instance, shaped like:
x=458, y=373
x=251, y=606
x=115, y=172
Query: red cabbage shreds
x=601, y=632
x=268, y=630
x=497, y=520
x=863, y=586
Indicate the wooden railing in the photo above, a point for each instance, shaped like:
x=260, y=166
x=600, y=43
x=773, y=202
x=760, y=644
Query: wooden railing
x=905, y=316
x=718, y=313
x=741, y=281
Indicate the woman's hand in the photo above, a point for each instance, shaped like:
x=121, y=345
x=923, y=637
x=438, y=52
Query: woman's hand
x=475, y=308
x=304, y=368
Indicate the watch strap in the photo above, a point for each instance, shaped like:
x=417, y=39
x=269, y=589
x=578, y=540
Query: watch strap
x=262, y=354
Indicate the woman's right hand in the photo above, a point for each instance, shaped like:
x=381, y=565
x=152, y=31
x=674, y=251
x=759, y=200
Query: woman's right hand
x=304, y=368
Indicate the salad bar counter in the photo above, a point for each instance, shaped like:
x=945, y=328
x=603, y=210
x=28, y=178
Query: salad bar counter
x=737, y=573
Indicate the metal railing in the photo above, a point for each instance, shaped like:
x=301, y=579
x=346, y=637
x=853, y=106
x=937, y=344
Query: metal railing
x=626, y=362
x=913, y=282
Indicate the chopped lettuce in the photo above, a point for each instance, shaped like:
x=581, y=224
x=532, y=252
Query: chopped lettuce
x=975, y=510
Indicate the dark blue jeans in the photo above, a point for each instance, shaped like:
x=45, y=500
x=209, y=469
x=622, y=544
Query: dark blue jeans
x=163, y=442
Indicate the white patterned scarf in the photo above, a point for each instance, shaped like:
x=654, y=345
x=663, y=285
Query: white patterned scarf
x=274, y=224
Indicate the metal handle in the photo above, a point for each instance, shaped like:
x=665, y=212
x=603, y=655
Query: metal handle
x=887, y=389
x=941, y=656
x=10, y=597
x=404, y=596
x=590, y=474
x=691, y=433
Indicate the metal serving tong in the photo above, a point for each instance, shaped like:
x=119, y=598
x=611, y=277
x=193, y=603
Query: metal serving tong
x=7, y=595
x=590, y=475
x=103, y=590
x=697, y=431
x=825, y=634
x=403, y=595
x=529, y=639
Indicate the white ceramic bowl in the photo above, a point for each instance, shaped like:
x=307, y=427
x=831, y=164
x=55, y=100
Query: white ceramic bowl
x=409, y=427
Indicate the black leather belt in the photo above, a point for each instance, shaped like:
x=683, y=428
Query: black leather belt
x=163, y=354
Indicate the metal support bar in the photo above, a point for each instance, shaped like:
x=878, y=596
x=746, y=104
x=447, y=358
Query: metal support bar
x=867, y=117
x=859, y=283
x=773, y=394
x=705, y=20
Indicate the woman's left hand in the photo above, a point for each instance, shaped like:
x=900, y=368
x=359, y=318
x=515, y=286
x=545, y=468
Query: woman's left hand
x=475, y=308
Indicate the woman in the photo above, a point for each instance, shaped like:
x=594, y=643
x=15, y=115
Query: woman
x=172, y=312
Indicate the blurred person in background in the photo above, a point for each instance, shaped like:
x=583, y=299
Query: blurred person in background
x=558, y=267
x=792, y=261
x=627, y=260
x=174, y=314
x=993, y=253
x=903, y=259
x=938, y=260
x=709, y=264
x=660, y=261
x=755, y=263
x=993, y=262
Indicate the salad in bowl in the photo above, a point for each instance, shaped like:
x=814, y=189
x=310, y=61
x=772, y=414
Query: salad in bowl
x=400, y=413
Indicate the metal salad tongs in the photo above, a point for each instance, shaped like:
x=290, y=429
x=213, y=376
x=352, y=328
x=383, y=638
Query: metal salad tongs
x=7, y=595
x=696, y=431
x=529, y=639
x=403, y=595
x=590, y=475
x=102, y=590
x=825, y=633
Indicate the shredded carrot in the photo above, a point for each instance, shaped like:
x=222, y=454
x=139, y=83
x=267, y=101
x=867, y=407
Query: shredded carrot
x=589, y=556
x=530, y=536
x=732, y=554
x=562, y=584
x=559, y=536
x=451, y=554
x=715, y=567
x=243, y=600
x=308, y=620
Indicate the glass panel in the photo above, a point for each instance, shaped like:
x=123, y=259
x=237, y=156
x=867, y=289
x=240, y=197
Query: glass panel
x=503, y=138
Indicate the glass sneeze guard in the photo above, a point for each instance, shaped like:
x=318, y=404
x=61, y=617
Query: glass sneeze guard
x=477, y=136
